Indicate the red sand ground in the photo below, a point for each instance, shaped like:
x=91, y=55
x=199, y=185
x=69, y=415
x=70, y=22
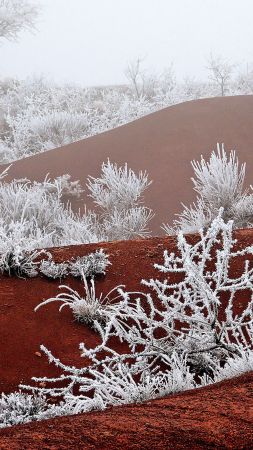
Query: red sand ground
x=215, y=417
x=163, y=143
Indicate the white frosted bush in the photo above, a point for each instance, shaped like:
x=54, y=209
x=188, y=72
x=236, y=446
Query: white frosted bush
x=219, y=183
x=53, y=270
x=184, y=333
x=34, y=215
x=15, y=16
x=205, y=334
x=88, y=265
x=89, y=308
x=118, y=194
x=33, y=131
x=17, y=408
x=117, y=186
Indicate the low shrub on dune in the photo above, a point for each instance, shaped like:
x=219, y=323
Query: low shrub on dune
x=35, y=216
x=186, y=332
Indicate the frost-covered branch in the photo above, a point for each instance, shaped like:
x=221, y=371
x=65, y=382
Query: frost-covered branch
x=15, y=16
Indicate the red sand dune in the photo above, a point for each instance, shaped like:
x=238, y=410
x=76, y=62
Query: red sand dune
x=215, y=417
x=163, y=143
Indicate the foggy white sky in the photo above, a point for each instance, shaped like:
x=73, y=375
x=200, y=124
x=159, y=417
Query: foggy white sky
x=91, y=41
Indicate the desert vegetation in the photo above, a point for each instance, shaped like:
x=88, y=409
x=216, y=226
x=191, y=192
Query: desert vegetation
x=34, y=215
x=189, y=326
x=37, y=115
x=182, y=332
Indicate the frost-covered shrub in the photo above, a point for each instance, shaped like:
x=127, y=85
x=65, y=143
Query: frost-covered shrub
x=116, y=385
x=208, y=329
x=18, y=261
x=89, y=308
x=186, y=332
x=219, y=183
x=15, y=16
x=89, y=265
x=34, y=215
x=32, y=133
x=118, y=194
x=53, y=270
x=58, y=128
x=36, y=115
x=68, y=187
x=17, y=408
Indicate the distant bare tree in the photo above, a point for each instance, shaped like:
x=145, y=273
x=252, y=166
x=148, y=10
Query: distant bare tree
x=220, y=72
x=15, y=16
x=144, y=83
x=134, y=75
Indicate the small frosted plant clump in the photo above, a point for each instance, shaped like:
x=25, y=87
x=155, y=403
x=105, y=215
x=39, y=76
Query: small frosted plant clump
x=17, y=408
x=54, y=270
x=87, y=309
x=20, y=262
x=118, y=195
x=88, y=266
x=94, y=263
x=27, y=263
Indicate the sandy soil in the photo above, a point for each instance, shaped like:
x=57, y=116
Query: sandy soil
x=215, y=417
x=162, y=143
